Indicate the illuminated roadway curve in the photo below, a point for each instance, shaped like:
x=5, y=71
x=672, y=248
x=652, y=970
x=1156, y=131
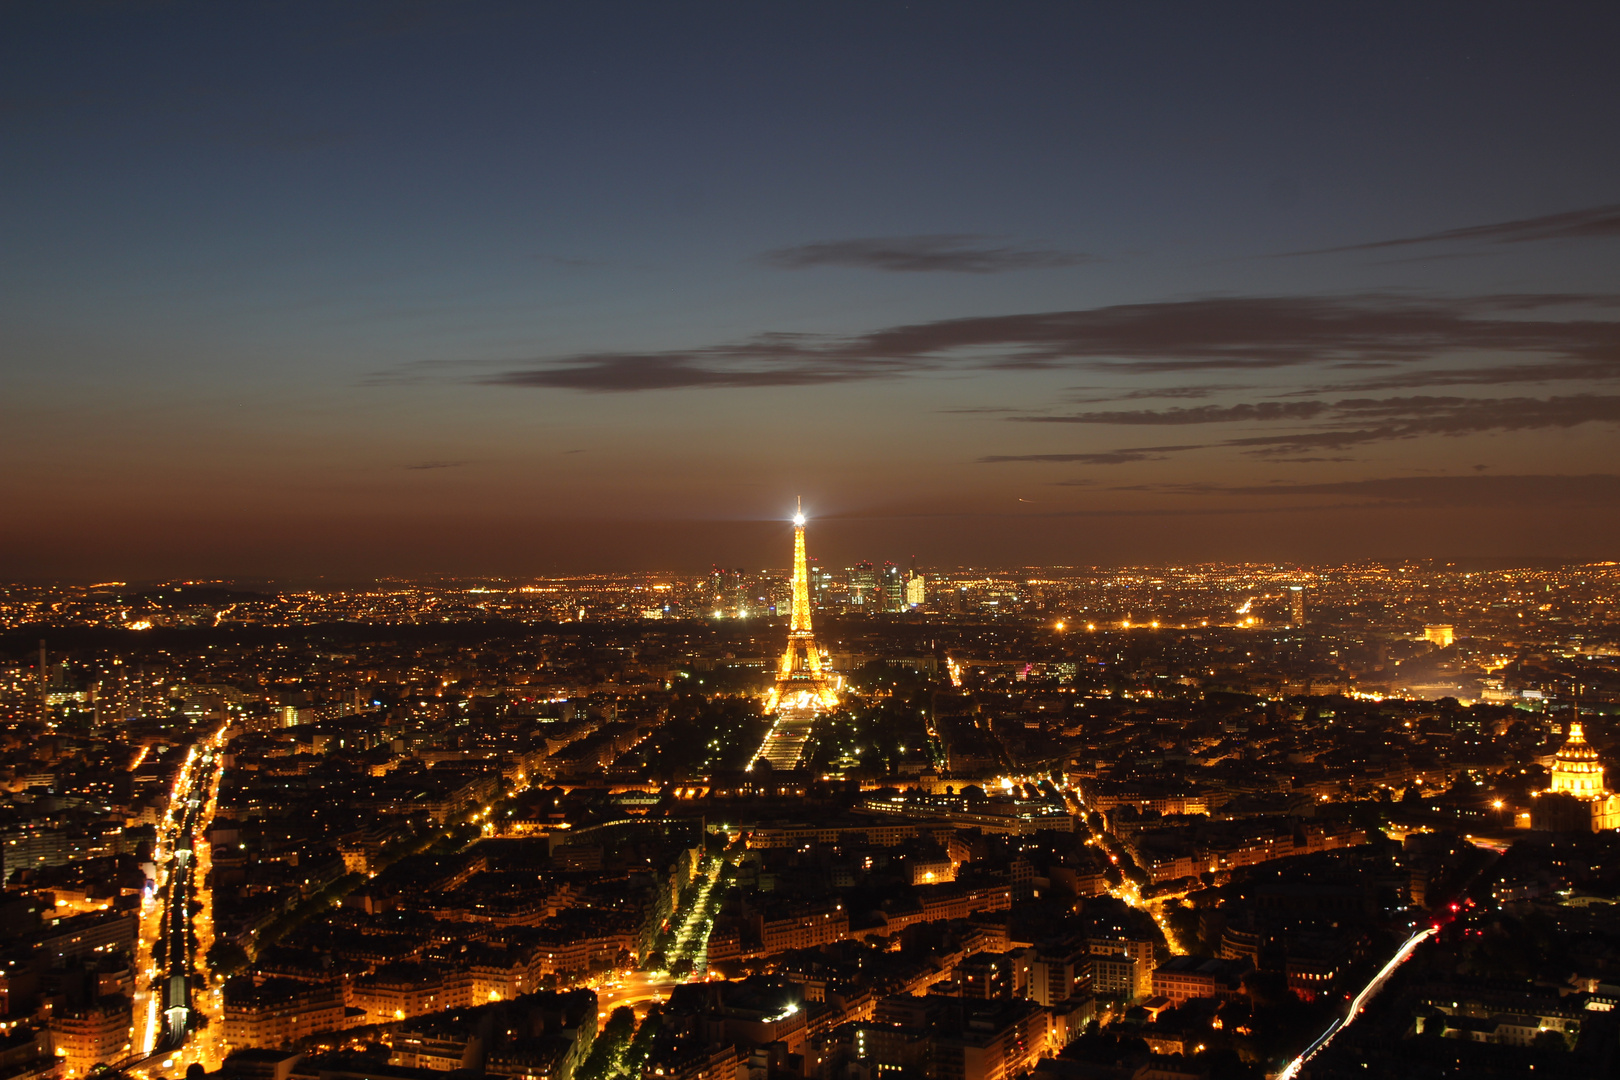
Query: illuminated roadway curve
x=1367, y=992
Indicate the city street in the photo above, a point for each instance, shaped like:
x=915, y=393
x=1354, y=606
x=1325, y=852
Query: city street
x=691, y=929
x=166, y=1002
x=1366, y=994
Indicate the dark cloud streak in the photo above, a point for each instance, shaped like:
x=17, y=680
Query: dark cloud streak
x=1592, y=223
x=1505, y=375
x=1416, y=417
x=1109, y=457
x=673, y=371
x=951, y=253
x=1349, y=422
x=1233, y=333
x=1505, y=490
x=1203, y=414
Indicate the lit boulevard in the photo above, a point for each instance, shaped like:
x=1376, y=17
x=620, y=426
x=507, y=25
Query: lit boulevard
x=168, y=1002
x=1358, y=1004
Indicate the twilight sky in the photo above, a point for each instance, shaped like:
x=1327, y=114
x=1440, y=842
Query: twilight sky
x=370, y=288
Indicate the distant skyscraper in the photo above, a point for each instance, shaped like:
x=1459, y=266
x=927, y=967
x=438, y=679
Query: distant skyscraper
x=727, y=594
x=916, y=595
x=1296, y=604
x=862, y=580
x=893, y=589
x=821, y=584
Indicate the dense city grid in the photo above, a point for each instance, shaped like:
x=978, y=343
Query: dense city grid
x=1063, y=821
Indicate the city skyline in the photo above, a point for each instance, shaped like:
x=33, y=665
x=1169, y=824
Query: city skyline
x=1219, y=822
x=408, y=289
x=804, y=541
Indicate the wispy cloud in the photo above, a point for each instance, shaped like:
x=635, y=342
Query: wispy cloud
x=1362, y=421
x=1202, y=414
x=627, y=372
x=949, y=253
x=1151, y=393
x=1308, y=460
x=1109, y=457
x=1476, y=490
x=1337, y=425
x=420, y=466
x=1175, y=392
x=1592, y=223
x=1498, y=375
x=1153, y=339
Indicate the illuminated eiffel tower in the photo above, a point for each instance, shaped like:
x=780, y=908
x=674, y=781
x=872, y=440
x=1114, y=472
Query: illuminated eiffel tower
x=801, y=684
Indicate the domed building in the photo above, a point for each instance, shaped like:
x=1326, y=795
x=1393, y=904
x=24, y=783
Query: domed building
x=1577, y=785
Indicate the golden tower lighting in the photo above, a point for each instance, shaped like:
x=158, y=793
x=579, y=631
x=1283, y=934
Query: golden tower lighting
x=801, y=683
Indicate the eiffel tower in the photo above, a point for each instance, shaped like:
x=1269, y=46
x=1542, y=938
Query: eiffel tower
x=801, y=684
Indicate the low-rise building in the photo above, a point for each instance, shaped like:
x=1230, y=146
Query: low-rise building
x=279, y=1012
x=100, y=1034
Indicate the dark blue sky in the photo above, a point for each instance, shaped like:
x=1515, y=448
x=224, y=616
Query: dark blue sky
x=352, y=288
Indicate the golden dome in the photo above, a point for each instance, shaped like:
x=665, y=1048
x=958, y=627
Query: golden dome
x=1576, y=748
x=1576, y=769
